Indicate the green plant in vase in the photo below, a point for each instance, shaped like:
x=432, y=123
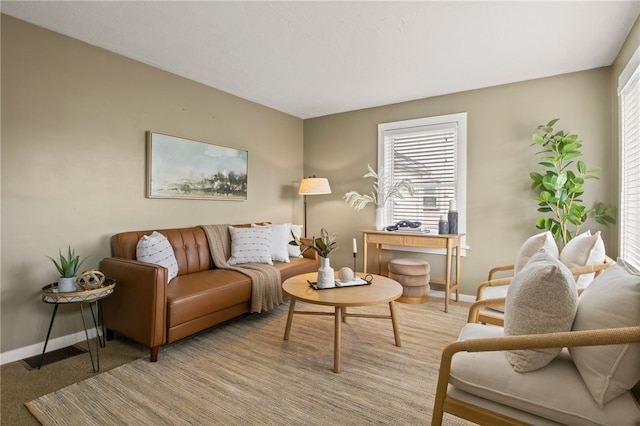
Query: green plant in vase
x=68, y=268
x=559, y=189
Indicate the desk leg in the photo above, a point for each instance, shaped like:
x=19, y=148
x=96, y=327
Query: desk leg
x=292, y=307
x=447, y=288
x=379, y=248
x=394, y=322
x=364, y=254
x=337, y=338
x=458, y=274
x=53, y=316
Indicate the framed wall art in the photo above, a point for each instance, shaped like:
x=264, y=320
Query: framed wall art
x=188, y=169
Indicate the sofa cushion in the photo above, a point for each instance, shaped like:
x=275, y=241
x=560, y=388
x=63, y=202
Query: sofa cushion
x=156, y=249
x=531, y=246
x=584, y=249
x=541, y=298
x=611, y=300
x=556, y=392
x=192, y=296
x=250, y=245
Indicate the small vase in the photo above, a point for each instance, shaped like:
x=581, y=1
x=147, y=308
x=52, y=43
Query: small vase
x=326, y=278
x=67, y=285
x=380, y=221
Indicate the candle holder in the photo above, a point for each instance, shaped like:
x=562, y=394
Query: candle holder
x=355, y=255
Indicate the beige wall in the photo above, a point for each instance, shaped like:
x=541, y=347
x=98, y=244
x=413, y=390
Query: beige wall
x=73, y=160
x=501, y=212
x=74, y=119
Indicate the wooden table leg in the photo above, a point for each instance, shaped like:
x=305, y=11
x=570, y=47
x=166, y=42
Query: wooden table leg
x=337, y=338
x=458, y=273
x=447, y=284
x=292, y=306
x=394, y=322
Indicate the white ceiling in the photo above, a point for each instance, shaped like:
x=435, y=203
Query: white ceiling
x=314, y=58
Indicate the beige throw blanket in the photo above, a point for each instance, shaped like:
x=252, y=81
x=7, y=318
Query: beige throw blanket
x=266, y=291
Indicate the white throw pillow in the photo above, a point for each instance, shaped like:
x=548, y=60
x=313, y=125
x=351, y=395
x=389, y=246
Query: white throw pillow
x=611, y=300
x=294, y=251
x=532, y=245
x=584, y=249
x=279, y=241
x=542, y=298
x=156, y=249
x=250, y=245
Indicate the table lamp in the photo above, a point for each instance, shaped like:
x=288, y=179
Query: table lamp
x=312, y=186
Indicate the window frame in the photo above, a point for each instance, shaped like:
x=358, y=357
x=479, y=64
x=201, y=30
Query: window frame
x=630, y=75
x=408, y=126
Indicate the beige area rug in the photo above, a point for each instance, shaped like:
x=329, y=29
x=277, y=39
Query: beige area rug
x=244, y=373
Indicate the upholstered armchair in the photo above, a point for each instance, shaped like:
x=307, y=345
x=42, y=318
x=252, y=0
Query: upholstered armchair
x=559, y=359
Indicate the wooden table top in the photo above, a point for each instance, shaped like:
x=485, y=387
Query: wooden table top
x=381, y=290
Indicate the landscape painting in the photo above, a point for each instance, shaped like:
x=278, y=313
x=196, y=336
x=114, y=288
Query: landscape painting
x=188, y=169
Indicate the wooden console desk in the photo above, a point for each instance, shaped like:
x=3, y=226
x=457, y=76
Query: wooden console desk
x=445, y=241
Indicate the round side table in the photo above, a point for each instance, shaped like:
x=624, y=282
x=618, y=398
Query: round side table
x=51, y=295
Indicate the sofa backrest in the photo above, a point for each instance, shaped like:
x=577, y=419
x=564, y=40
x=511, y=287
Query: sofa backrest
x=190, y=247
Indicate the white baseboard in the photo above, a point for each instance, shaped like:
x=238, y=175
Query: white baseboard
x=53, y=344
x=463, y=297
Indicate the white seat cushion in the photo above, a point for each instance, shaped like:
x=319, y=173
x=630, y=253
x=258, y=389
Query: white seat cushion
x=554, y=392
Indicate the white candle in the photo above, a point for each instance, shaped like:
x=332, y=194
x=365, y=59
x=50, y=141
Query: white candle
x=355, y=247
x=452, y=205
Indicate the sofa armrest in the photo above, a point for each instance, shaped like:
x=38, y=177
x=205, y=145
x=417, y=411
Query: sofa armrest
x=137, y=307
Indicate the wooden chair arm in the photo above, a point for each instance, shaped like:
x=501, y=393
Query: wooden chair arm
x=604, y=336
x=491, y=283
x=497, y=269
x=474, y=310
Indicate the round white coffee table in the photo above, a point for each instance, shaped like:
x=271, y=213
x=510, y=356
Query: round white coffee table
x=381, y=290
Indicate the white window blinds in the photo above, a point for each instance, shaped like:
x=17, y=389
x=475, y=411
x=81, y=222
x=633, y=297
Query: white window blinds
x=630, y=163
x=426, y=156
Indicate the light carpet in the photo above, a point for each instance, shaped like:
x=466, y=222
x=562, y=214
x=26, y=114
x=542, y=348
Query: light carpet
x=244, y=373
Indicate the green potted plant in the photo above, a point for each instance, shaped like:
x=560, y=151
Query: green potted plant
x=379, y=196
x=323, y=245
x=559, y=189
x=68, y=268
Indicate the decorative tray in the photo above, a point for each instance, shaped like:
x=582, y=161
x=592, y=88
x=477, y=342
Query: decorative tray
x=50, y=293
x=357, y=281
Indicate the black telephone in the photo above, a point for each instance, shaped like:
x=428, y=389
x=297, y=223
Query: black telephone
x=404, y=224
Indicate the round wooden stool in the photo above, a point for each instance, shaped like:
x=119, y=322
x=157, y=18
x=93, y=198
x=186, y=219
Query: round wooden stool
x=413, y=275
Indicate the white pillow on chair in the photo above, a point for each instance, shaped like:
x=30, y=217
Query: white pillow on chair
x=532, y=245
x=584, y=249
x=611, y=300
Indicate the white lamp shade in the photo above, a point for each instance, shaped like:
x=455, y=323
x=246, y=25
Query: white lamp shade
x=314, y=186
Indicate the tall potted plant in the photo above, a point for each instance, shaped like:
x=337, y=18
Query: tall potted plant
x=68, y=268
x=560, y=187
x=379, y=196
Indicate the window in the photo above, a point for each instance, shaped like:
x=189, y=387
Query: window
x=431, y=154
x=629, y=94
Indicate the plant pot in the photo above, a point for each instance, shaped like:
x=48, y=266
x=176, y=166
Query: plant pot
x=67, y=285
x=326, y=277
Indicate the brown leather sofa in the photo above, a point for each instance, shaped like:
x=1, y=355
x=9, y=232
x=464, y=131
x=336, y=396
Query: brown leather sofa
x=146, y=309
